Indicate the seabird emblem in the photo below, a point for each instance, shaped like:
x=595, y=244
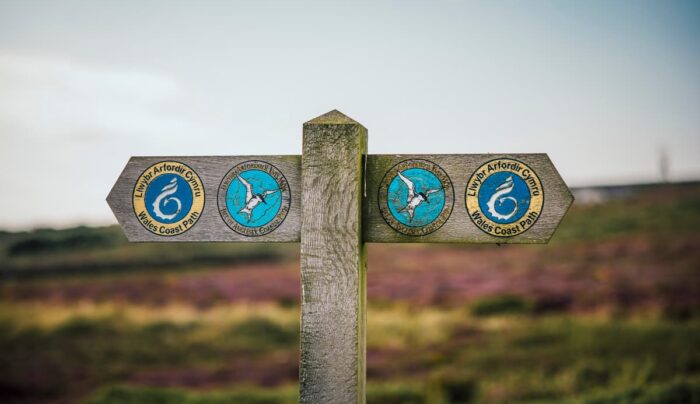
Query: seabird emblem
x=498, y=197
x=165, y=197
x=414, y=199
x=252, y=200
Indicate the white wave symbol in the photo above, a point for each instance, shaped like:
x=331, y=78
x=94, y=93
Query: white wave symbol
x=498, y=197
x=165, y=197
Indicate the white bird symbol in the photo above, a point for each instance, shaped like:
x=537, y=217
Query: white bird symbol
x=414, y=200
x=252, y=200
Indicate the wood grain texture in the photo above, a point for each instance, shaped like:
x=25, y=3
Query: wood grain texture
x=333, y=268
x=459, y=228
x=210, y=226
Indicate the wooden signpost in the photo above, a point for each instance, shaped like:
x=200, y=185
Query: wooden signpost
x=333, y=199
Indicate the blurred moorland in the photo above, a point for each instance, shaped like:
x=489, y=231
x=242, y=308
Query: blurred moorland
x=608, y=312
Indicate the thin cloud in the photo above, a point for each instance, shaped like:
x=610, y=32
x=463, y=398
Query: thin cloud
x=46, y=96
x=65, y=127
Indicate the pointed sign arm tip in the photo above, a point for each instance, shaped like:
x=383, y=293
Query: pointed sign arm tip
x=458, y=228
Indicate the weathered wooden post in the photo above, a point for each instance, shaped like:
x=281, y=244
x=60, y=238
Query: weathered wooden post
x=333, y=269
x=333, y=199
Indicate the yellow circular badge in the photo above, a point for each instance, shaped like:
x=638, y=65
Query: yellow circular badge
x=168, y=198
x=504, y=197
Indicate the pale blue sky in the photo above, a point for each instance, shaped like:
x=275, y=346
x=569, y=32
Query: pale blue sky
x=601, y=86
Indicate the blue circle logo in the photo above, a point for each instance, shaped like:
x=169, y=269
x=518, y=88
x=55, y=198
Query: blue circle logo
x=168, y=198
x=504, y=197
x=254, y=198
x=416, y=197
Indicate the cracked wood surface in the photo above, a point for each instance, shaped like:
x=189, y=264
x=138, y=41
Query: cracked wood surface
x=333, y=267
x=457, y=229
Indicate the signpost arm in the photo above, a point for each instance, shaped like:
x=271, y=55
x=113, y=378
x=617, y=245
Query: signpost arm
x=333, y=264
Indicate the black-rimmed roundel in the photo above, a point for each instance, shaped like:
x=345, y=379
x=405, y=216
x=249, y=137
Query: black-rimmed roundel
x=254, y=198
x=416, y=197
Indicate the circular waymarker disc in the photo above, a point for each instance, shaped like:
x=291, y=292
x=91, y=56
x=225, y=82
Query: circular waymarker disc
x=254, y=198
x=416, y=197
x=168, y=198
x=504, y=197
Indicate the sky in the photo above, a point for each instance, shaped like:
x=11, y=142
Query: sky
x=603, y=87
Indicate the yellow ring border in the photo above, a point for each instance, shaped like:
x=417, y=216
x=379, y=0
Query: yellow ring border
x=536, y=201
x=139, y=204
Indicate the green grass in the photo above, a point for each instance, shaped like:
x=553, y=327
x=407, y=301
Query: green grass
x=493, y=358
x=501, y=304
x=500, y=348
x=92, y=251
x=674, y=392
x=660, y=211
x=144, y=395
